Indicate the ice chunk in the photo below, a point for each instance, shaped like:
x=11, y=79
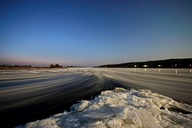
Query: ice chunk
x=82, y=105
x=97, y=124
x=46, y=123
x=121, y=112
x=115, y=123
x=134, y=118
x=121, y=108
x=71, y=122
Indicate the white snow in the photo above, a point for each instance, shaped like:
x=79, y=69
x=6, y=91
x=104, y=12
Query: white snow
x=121, y=108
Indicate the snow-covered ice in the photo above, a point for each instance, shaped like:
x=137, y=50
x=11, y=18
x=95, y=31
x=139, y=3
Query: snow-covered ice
x=121, y=108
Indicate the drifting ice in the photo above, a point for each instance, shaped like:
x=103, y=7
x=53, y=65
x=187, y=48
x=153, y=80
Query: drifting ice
x=121, y=108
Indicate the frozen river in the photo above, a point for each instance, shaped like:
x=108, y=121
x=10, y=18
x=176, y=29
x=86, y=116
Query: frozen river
x=29, y=95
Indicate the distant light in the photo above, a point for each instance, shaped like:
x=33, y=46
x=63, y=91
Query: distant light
x=159, y=65
x=175, y=65
x=145, y=66
x=176, y=71
x=135, y=66
x=190, y=65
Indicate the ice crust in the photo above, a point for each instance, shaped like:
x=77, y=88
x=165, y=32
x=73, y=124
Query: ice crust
x=121, y=108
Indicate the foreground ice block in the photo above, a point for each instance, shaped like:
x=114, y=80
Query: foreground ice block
x=121, y=108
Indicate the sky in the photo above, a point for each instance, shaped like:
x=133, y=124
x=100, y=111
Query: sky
x=94, y=32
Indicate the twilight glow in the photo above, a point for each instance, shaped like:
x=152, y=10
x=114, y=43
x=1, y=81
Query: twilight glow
x=94, y=32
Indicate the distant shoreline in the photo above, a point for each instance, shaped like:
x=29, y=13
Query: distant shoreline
x=10, y=67
x=168, y=63
x=26, y=68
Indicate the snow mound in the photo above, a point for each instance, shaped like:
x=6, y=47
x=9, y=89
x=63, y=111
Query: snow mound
x=121, y=108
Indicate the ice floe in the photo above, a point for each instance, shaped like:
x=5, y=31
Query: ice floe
x=121, y=108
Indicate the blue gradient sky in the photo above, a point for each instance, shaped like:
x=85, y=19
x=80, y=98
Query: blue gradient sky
x=94, y=32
